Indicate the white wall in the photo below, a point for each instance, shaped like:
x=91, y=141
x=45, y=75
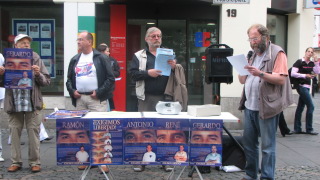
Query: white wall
x=71, y=13
x=70, y=36
x=300, y=32
x=233, y=32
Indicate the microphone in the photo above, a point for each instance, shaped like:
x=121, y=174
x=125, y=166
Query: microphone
x=249, y=55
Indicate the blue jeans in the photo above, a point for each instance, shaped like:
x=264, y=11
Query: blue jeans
x=266, y=129
x=304, y=99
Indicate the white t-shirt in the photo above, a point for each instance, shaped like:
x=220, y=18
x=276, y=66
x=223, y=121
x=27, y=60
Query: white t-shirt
x=25, y=81
x=214, y=157
x=107, y=140
x=108, y=154
x=108, y=147
x=82, y=156
x=149, y=157
x=252, y=87
x=181, y=154
x=86, y=75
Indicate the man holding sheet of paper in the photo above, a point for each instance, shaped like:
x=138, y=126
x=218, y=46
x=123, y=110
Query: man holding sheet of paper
x=267, y=92
x=155, y=72
x=150, y=82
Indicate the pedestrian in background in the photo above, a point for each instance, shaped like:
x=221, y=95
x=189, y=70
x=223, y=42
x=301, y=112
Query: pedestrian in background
x=103, y=48
x=305, y=69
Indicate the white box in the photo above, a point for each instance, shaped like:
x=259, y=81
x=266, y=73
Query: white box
x=204, y=110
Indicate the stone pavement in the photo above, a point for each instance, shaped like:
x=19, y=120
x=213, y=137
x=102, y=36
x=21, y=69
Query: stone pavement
x=298, y=158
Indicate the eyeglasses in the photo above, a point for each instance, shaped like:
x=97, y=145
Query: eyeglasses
x=156, y=35
x=80, y=39
x=254, y=39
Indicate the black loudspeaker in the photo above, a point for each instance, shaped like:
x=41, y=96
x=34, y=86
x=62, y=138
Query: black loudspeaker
x=218, y=68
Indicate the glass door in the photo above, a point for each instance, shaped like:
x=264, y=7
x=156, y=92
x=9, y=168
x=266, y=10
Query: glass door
x=201, y=34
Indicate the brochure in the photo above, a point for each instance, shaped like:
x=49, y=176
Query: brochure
x=60, y=114
x=162, y=57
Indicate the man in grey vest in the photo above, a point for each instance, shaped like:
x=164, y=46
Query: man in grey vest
x=267, y=92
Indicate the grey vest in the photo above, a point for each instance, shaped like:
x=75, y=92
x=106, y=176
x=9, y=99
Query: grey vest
x=273, y=99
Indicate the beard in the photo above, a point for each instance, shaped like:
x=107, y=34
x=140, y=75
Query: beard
x=261, y=47
x=156, y=44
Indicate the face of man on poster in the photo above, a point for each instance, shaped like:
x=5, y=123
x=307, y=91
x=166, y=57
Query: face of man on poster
x=140, y=136
x=18, y=64
x=72, y=136
x=171, y=136
x=206, y=137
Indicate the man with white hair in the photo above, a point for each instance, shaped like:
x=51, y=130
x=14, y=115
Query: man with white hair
x=150, y=84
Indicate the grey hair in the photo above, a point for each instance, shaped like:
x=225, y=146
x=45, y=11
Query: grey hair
x=261, y=29
x=151, y=30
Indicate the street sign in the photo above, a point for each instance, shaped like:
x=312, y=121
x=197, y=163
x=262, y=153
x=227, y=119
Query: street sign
x=231, y=1
x=311, y=3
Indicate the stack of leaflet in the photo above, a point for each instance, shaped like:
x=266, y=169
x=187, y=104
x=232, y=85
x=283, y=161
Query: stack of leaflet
x=204, y=110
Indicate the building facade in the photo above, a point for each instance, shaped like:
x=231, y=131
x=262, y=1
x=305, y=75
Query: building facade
x=121, y=24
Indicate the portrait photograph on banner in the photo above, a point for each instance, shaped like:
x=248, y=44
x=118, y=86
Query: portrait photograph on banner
x=73, y=141
x=140, y=141
x=172, y=141
x=106, y=141
x=18, y=66
x=206, y=142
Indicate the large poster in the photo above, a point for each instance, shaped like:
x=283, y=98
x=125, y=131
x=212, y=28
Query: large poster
x=73, y=142
x=18, y=63
x=172, y=141
x=43, y=40
x=139, y=141
x=206, y=142
x=106, y=141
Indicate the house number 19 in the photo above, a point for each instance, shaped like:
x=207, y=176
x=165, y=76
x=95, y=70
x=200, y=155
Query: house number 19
x=232, y=12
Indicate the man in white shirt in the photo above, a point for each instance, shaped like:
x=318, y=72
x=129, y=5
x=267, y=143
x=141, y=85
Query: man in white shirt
x=149, y=156
x=90, y=80
x=213, y=157
x=25, y=81
x=181, y=155
x=82, y=156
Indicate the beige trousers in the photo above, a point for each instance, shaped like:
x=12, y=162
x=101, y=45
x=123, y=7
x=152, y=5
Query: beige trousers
x=86, y=102
x=32, y=121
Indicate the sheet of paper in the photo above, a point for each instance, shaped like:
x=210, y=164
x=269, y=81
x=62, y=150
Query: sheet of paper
x=239, y=62
x=161, y=62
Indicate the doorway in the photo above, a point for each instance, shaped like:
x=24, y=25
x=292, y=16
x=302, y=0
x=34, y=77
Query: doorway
x=181, y=36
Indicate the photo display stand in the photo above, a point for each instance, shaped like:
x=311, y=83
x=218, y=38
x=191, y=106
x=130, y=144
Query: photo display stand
x=105, y=139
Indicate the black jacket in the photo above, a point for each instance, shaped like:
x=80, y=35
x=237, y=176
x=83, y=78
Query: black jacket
x=115, y=66
x=104, y=75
